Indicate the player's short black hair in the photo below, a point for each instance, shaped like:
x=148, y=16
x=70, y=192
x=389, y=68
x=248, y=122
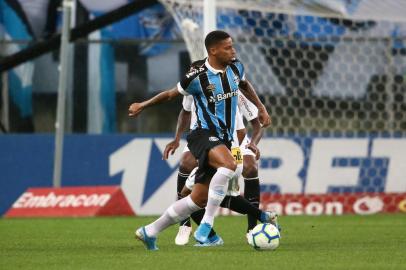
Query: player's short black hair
x=215, y=37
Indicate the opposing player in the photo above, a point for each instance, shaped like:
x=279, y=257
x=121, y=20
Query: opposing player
x=250, y=166
x=188, y=162
x=214, y=87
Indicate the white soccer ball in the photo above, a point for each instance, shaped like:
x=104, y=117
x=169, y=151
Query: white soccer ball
x=264, y=237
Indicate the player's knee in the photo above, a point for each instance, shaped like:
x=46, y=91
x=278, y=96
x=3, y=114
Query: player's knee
x=250, y=170
x=186, y=165
x=185, y=191
x=230, y=164
x=200, y=201
x=199, y=195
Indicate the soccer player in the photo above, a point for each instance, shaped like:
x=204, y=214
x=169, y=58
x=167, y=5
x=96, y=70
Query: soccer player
x=188, y=162
x=214, y=88
x=233, y=200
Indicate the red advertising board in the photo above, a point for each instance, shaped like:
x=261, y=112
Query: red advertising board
x=71, y=202
x=335, y=203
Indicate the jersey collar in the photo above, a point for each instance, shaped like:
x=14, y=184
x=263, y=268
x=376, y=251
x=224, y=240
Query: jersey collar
x=212, y=69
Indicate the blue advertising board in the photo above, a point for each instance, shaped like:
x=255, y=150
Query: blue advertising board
x=294, y=165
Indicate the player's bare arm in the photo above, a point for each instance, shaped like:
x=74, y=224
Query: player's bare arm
x=257, y=132
x=241, y=133
x=248, y=91
x=165, y=96
x=182, y=125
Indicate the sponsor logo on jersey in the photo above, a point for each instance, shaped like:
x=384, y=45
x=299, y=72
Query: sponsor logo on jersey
x=220, y=97
x=194, y=71
x=213, y=139
x=236, y=152
x=246, y=106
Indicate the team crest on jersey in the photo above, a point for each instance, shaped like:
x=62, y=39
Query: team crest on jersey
x=210, y=87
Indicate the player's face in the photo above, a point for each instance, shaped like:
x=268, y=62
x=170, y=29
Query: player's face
x=225, y=52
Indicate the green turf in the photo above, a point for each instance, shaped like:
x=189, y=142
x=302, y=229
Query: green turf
x=345, y=242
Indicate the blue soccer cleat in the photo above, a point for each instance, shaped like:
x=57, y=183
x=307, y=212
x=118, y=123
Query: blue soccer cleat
x=202, y=233
x=213, y=241
x=149, y=242
x=270, y=217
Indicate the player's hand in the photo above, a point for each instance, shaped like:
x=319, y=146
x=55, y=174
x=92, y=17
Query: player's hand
x=264, y=117
x=135, y=109
x=254, y=149
x=170, y=148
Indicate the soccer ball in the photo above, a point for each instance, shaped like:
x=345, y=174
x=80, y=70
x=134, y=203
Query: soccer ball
x=264, y=237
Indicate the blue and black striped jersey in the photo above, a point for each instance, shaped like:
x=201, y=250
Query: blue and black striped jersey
x=215, y=94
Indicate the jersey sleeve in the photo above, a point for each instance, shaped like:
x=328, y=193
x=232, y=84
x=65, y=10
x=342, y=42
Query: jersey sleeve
x=240, y=68
x=187, y=85
x=181, y=89
x=187, y=103
x=247, y=108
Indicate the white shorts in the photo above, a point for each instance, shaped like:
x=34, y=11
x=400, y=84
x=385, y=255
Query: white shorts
x=243, y=147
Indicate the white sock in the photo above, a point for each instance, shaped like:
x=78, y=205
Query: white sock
x=178, y=211
x=217, y=192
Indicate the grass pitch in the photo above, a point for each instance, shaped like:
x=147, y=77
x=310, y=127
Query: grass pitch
x=328, y=242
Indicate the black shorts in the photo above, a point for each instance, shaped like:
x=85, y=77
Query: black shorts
x=199, y=142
